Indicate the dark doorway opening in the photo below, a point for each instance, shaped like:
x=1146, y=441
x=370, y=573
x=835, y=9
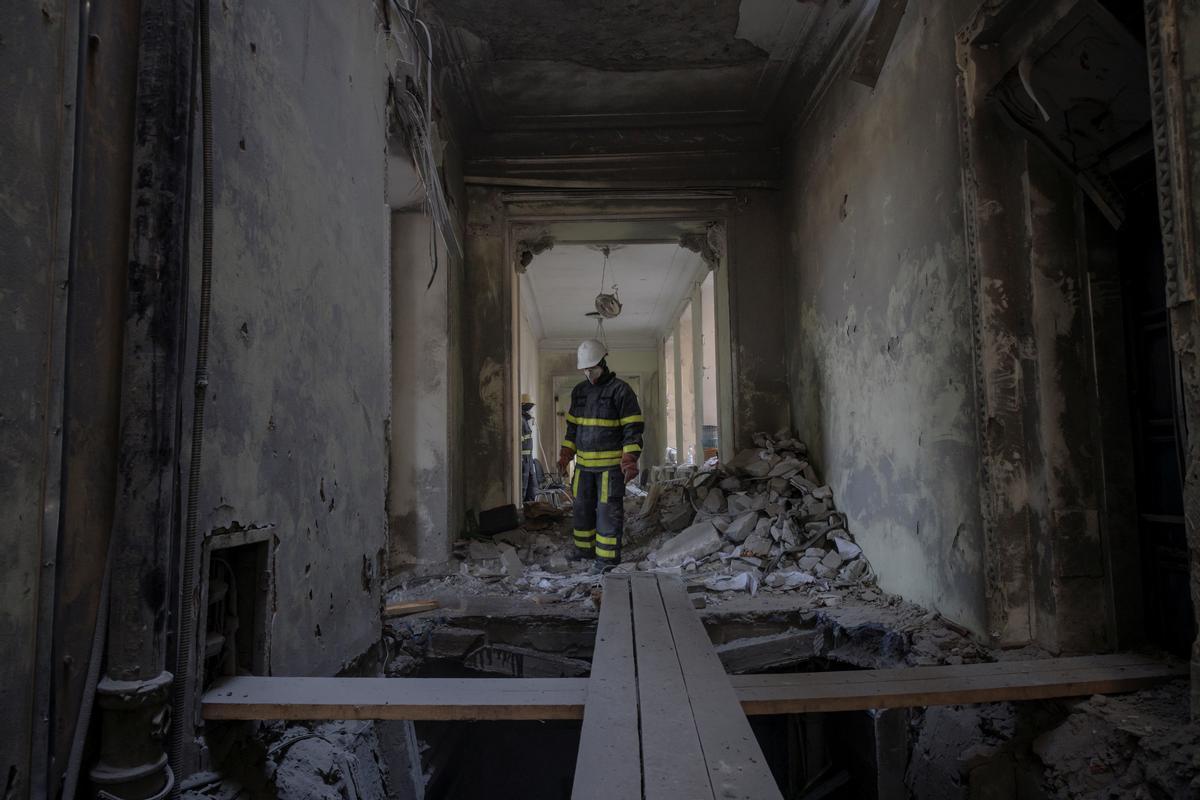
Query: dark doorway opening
x=1156, y=419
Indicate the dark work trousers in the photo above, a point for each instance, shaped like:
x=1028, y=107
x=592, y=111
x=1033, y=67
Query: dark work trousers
x=599, y=513
x=528, y=479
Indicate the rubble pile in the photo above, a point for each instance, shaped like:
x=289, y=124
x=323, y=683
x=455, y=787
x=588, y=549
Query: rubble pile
x=762, y=520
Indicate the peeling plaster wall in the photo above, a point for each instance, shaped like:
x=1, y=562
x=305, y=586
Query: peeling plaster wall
x=298, y=396
x=757, y=316
x=34, y=58
x=880, y=353
x=419, y=479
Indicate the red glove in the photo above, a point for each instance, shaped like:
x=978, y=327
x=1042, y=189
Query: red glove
x=565, y=454
x=629, y=467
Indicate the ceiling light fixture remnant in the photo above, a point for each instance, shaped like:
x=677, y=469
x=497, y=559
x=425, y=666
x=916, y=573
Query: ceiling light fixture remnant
x=608, y=305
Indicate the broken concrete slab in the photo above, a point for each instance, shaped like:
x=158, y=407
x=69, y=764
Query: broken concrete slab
x=482, y=551
x=511, y=562
x=766, y=652
x=846, y=548
x=696, y=542
x=741, y=528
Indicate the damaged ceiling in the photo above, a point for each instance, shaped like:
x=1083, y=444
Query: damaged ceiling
x=565, y=64
x=639, y=79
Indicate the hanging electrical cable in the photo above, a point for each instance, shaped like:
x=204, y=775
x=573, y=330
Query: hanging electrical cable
x=187, y=579
x=416, y=118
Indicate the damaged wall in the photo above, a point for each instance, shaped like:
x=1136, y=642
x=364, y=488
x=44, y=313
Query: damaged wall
x=298, y=396
x=880, y=358
x=419, y=478
x=37, y=64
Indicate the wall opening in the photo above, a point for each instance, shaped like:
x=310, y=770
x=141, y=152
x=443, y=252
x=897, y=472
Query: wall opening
x=238, y=581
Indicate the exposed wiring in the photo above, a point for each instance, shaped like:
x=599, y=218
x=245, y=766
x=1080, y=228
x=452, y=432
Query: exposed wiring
x=416, y=117
x=187, y=612
x=408, y=107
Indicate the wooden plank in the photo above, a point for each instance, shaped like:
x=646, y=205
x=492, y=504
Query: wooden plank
x=736, y=765
x=410, y=607
x=673, y=766
x=609, y=764
x=997, y=668
x=564, y=698
x=396, y=698
x=787, y=696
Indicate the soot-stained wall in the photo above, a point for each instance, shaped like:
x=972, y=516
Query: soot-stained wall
x=880, y=355
x=296, y=436
x=34, y=59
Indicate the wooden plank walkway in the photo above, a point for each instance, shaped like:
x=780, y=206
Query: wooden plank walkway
x=425, y=699
x=856, y=690
x=611, y=732
x=421, y=699
x=686, y=721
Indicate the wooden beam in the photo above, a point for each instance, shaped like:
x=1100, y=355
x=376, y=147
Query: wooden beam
x=930, y=686
x=609, y=763
x=396, y=698
x=736, y=764
x=253, y=698
x=868, y=64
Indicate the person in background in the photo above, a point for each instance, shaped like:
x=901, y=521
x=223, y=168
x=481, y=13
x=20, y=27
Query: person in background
x=528, y=472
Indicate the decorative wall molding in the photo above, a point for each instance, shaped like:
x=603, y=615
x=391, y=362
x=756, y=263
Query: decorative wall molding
x=1170, y=150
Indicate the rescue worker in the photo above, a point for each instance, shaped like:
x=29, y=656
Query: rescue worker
x=528, y=473
x=604, y=436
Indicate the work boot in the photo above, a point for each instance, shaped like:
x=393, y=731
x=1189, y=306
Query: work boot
x=579, y=554
x=600, y=567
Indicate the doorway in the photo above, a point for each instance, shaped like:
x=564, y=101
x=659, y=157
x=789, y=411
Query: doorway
x=655, y=284
x=1156, y=419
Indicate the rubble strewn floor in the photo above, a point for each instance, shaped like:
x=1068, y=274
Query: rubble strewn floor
x=762, y=522
x=780, y=585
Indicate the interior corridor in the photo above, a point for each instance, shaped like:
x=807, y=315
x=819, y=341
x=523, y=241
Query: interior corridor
x=748, y=398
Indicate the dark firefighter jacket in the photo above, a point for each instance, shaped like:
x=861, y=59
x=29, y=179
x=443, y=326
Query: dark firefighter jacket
x=526, y=435
x=604, y=423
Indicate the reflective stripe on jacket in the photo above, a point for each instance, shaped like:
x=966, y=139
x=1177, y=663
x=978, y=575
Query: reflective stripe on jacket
x=604, y=423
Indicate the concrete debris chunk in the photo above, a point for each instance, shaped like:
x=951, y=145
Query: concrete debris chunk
x=742, y=582
x=759, y=469
x=757, y=545
x=730, y=484
x=511, y=561
x=742, y=527
x=743, y=460
x=789, y=579
x=696, y=542
x=482, y=551
x=833, y=560
x=846, y=548
x=714, y=503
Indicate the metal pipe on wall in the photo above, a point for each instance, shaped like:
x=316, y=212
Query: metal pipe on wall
x=136, y=688
x=102, y=169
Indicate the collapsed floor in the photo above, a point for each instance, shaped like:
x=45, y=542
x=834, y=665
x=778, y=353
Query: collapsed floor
x=781, y=586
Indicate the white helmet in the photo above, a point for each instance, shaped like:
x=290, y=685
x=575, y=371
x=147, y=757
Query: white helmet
x=591, y=352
